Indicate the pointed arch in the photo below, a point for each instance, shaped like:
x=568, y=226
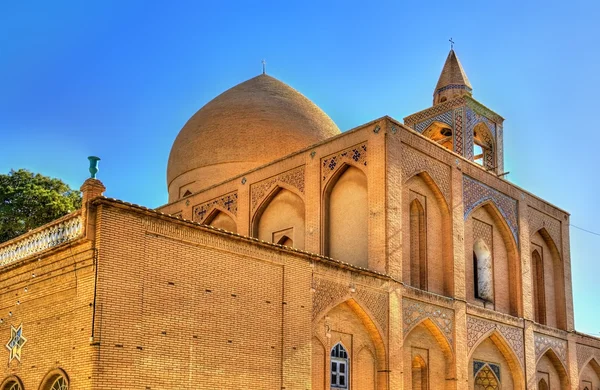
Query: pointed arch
x=270, y=194
x=495, y=211
x=420, y=373
x=594, y=365
x=433, y=184
x=339, y=170
x=346, y=216
x=558, y=365
x=439, y=262
x=514, y=364
x=483, y=139
x=281, y=213
x=441, y=133
x=438, y=334
x=221, y=218
x=542, y=385
x=425, y=339
x=539, y=289
x=556, y=285
x=366, y=317
x=418, y=245
x=514, y=303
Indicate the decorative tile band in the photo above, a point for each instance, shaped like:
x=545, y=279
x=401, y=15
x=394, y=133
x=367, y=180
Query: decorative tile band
x=585, y=353
x=539, y=220
x=454, y=86
x=458, y=131
x=328, y=292
x=54, y=234
x=356, y=155
x=544, y=342
x=227, y=202
x=475, y=193
x=414, y=162
x=413, y=312
x=478, y=328
x=294, y=178
x=445, y=117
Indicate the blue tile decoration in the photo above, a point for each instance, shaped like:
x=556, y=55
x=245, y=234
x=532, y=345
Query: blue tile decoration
x=496, y=369
x=445, y=117
x=475, y=193
x=477, y=365
x=355, y=155
x=227, y=202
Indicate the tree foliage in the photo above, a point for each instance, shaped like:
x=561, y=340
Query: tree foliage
x=29, y=200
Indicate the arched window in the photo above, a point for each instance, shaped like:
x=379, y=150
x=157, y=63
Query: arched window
x=60, y=383
x=483, y=271
x=56, y=380
x=539, y=290
x=486, y=379
x=483, y=146
x=420, y=374
x=12, y=384
x=542, y=385
x=340, y=375
x=418, y=246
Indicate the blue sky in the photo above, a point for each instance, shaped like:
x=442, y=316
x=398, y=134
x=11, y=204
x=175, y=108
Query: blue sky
x=119, y=79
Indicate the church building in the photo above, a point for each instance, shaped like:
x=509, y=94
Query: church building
x=293, y=256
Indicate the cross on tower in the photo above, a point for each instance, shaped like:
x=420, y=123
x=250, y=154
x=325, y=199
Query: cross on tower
x=451, y=43
x=264, y=64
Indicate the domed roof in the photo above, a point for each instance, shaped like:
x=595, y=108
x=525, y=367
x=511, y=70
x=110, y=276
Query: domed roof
x=251, y=124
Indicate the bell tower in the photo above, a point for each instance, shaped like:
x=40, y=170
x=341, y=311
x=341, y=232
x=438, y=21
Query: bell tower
x=460, y=123
x=453, y=81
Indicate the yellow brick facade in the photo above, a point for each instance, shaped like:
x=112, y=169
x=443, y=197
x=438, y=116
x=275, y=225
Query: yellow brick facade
x=156, y=299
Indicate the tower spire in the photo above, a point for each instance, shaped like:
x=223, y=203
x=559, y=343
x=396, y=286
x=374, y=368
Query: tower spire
x=453, y=81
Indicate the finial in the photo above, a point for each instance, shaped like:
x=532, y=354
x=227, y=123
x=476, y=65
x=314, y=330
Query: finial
x=264, y=64
x=451, y=43
x=93, y=166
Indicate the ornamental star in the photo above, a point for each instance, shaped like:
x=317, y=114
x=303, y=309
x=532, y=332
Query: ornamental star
x=16, y=342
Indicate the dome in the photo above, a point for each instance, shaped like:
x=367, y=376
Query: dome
x=251, y=124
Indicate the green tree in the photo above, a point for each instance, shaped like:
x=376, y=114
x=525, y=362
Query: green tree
x=29, y=200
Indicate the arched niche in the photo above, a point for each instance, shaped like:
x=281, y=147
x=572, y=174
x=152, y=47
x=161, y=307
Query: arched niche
x=495, y=350
x=487, y=223
x=221, y=219
x=426, y=345
x=542, y=384
x=590, y=375
x=539, y=288
x=281, y=219
x=440, y=133
x=347, y=217
x=553, y=286
x=418, y=245
x=550, y=367
x=483, y=146
x=349, y=324
x=419, y=373
x=421, y=196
